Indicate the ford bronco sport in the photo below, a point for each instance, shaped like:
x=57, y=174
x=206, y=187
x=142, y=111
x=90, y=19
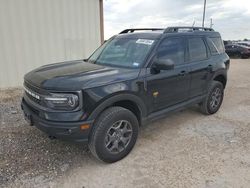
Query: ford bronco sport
x=132, y=79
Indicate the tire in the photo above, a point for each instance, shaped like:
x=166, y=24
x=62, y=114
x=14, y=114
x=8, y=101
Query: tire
x=211, y=104
x=114, y=134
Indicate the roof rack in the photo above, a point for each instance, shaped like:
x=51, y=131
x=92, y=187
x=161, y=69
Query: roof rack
x=169, y=29
x=188, y=29
x=140, y=29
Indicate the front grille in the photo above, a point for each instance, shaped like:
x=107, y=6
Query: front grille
x=33, y=99
x=33, y=93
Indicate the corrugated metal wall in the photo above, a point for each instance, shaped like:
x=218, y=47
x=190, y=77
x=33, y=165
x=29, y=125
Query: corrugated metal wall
x=38, y=32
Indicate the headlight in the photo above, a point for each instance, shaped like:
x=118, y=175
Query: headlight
x=62, y=101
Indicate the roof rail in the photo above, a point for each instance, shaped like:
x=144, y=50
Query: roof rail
x=189, y=29
x=140, y=29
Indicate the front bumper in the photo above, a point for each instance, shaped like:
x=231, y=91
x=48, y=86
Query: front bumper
x=59, y=129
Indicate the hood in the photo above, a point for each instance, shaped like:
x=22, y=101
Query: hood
x=77, y=75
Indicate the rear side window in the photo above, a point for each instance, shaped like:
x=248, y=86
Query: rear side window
x=172, y=49
x=216, y=46
x=197, y=49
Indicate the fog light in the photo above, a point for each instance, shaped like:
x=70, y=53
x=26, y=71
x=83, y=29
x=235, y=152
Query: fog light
x=70, y=131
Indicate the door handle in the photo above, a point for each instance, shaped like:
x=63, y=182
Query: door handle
x=209, y=68
x=182, y=73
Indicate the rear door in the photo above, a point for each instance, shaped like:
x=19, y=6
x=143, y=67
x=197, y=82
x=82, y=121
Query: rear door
x=200, y=66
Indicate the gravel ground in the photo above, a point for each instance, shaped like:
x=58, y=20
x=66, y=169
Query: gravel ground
x=186, y=149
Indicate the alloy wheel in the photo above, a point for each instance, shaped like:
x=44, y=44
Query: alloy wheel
x=216, y=97
x=118, y=136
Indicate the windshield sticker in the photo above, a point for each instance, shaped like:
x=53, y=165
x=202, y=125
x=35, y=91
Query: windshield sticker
x=135, y=64
x=145, y=41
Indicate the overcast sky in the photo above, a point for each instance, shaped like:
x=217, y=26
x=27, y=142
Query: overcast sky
x=230, y=17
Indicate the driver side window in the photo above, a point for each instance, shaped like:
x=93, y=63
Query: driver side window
x=172, y=49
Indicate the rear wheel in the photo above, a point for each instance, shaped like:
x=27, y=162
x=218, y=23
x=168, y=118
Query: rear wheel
x=211, y=104
x=114, y=134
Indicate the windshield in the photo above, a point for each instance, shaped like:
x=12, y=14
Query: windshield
x=122, y=52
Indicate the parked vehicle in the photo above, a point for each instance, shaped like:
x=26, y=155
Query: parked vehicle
x=132, y=79
x=236, y=50
x=244, y=44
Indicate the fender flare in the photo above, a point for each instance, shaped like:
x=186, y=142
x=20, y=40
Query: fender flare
x=220, y=73
x=116, y=98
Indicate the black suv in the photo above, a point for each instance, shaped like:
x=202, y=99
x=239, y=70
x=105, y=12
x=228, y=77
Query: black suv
x=132, y=79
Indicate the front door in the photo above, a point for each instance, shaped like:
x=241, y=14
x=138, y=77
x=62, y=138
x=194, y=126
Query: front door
x=169, y=87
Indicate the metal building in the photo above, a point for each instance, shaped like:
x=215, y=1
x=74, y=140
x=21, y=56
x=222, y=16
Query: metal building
x=38, y=32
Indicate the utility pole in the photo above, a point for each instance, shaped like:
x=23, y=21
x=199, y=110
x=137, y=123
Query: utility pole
x=204, y=13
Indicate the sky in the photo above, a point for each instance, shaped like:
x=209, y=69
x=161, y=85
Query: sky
x=230, y=17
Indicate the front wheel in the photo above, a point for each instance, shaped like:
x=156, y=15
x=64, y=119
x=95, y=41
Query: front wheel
x=114, y=134
x=211, y=104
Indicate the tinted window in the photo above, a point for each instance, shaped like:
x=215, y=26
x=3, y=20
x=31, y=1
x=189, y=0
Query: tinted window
x=197, y=49
x=172, y=49
x=216, y=46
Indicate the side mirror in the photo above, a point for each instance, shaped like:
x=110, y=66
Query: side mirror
x=164, y=64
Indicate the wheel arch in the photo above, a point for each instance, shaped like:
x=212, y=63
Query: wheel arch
x=128, y=101
x=221, y=78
